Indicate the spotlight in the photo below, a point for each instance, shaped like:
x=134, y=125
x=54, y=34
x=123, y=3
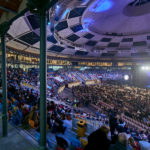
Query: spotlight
x=143, y=68
x=65, y=13
x=146, y=68
x=49, y=23
x=57, y=6
x=126, y=77
x=101, y=6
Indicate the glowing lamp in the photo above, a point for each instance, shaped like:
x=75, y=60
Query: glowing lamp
x=126, y=77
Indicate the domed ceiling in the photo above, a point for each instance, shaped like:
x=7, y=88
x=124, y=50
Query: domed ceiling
x=100, y=28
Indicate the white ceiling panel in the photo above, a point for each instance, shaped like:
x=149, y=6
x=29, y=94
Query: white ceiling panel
x=18, y=27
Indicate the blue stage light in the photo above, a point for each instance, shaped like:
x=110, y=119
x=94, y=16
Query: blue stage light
x=65, y=13
x=101, y=5
x=48, y=23
x=86, y=23
x=57, y=6
x=84, y=1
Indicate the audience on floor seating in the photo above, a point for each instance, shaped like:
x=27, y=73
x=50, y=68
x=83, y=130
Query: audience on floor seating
x=133, y=102
x=116, y=134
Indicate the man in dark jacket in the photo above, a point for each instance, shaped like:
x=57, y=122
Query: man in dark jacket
x=113, y=122
x=98, y=140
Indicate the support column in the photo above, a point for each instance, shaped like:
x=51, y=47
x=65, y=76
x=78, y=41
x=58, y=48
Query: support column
x=4, y=27
x=43, y=81
x=41, y=8
x=4, y=87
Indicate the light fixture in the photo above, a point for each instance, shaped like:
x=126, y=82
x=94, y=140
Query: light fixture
x=146, y=68
x=49, y=23
x=57, y=6
x=101, y=6
x=126, y=77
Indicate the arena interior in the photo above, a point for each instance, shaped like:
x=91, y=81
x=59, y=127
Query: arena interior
x=75, y=74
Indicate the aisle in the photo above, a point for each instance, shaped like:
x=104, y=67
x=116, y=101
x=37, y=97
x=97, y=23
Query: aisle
x=14, y=141
x=68, y=94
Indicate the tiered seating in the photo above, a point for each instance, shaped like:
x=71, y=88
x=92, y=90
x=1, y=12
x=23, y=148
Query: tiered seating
x=22, y=102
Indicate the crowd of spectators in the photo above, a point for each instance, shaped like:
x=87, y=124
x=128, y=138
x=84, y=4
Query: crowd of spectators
x=23, y=107
x=123, y=100
x=133, y=102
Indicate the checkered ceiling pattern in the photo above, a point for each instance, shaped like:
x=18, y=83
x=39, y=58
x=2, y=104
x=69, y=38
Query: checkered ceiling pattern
x=72, y=37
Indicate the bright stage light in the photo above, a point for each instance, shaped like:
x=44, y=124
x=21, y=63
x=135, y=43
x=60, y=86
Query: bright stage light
x=101, y=5
x=145, y=68
x=126, y=77
x=86, y=23
x=57, y=6
x=65, y=13
x=48, y=23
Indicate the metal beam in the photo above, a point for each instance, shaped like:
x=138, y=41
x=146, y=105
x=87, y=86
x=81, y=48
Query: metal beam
x=8, y=10
x=8, y=16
